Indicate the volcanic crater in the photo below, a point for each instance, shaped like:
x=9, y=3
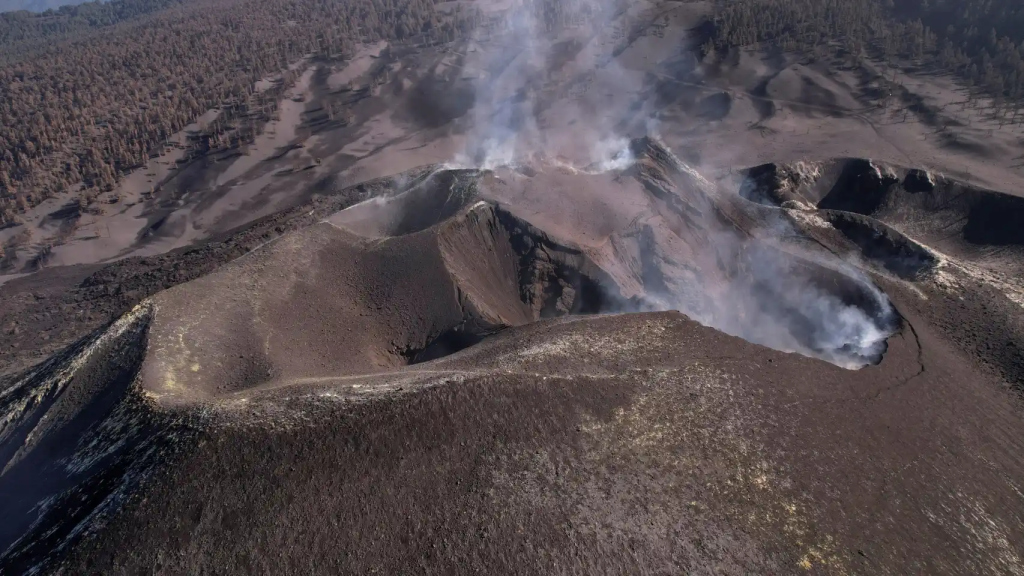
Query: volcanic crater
x=423, y=284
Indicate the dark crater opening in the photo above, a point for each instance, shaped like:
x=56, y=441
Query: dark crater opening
x=894, y=251
x=421, y=204
x=569, y=292
x=860, y=188
x=555, y=280
x=918, y=181
x=996, y=219
x=469, y=333
x=549, y=280
x=763, y=185
x=433, y=201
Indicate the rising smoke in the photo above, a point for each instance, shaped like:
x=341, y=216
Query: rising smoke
x=547, y=86
x=549, y=90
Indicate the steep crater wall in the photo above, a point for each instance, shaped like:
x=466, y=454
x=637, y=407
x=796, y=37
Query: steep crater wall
x=948, y=215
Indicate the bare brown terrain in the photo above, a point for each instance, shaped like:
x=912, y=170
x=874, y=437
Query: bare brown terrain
x=581, y=302
x=392, y=108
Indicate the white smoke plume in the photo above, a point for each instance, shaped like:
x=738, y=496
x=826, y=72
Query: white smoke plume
x=524, y=55
x=549, y=89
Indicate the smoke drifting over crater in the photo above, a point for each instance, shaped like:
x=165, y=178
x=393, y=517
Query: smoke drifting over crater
x=547, y=85
x=796, y=304
x=551, y=95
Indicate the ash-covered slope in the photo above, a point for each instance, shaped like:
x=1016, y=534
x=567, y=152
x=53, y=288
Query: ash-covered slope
x=76, y=435
x=324, y=302
x=673, y=240
x=401, y=278
x=441, y=379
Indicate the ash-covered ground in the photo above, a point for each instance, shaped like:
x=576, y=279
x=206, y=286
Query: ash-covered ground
x=542, y=306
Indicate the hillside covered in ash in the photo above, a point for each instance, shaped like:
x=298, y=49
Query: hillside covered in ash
x=485, y=368
x=511, y=287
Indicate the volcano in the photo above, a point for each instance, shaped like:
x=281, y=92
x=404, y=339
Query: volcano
x=543, y=368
